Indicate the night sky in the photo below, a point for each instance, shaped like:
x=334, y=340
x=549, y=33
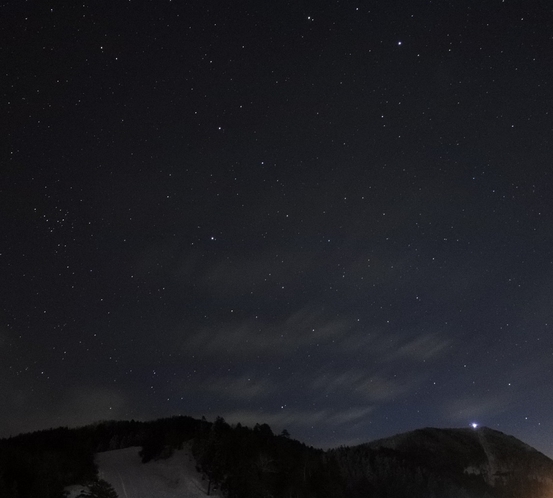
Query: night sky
x=332, y=217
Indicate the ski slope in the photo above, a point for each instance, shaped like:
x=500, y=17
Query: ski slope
x=171, y=478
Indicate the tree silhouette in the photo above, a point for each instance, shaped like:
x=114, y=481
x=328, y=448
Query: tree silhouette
x=100, y=489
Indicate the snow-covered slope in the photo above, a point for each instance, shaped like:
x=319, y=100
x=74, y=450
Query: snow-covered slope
x=171, y=478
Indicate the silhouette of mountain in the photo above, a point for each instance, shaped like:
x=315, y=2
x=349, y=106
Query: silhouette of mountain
x=182, y=455
x=434, y=462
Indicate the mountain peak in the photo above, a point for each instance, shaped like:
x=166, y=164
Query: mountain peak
x=478, y=451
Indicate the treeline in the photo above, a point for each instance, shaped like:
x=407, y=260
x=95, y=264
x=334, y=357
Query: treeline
x=246, y=463
x=40, y=464
x=238, y=461
x=243, y=462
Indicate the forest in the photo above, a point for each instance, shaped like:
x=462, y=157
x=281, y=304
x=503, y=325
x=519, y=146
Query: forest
x=237, y=460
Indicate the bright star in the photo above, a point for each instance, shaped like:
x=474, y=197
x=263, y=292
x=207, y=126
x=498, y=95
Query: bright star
x=474, y=425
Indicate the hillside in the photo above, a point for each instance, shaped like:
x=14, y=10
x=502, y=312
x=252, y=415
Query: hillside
x=468, y=463
x=182, y=456
x=483, y=451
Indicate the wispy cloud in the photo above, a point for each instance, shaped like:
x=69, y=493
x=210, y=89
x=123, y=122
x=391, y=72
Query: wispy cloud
x=287, y=418
x=422, y=347
x=253, y=337
x=468, y=408
x=374, y=387
x=380, y=343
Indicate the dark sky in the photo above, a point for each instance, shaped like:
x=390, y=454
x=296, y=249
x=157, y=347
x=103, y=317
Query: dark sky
x=332, y=217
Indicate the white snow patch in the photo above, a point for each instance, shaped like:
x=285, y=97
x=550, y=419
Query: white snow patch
x=171, y=478
x=75, y=490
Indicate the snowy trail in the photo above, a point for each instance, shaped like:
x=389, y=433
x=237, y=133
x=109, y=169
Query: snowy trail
x=122, y=485
x=492, y=463
x=171, y=478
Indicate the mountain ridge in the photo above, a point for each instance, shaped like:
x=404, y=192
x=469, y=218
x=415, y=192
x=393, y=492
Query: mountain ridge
x=245, y=462
x=491, y=458
x=466, y=462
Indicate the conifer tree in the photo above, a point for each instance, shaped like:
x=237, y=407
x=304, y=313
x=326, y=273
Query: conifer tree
x=100, y=489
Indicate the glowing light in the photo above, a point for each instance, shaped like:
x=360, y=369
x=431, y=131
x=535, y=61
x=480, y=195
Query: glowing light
x=474, y=425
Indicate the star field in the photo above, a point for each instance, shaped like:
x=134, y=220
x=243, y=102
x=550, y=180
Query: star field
x=331, y=217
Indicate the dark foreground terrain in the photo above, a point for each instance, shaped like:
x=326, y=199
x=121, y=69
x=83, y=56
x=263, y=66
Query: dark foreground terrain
x=242, y=462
